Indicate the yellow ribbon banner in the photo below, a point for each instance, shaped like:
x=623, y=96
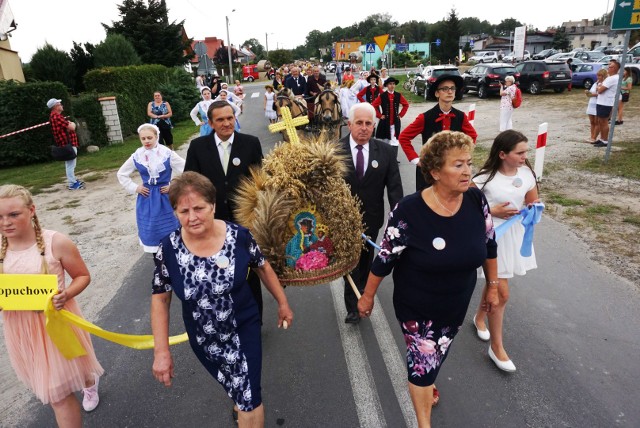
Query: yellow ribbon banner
x=34, y=293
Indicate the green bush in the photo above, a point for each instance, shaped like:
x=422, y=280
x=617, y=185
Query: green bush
x=22, y=106
x=87, y=107
x=133, y=87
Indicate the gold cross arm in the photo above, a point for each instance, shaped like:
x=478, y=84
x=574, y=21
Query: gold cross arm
x=289, y=124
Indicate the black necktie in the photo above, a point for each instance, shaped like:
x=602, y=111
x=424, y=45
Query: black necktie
x=359, y=162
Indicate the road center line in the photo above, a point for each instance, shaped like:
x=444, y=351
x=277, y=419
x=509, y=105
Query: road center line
x=255, y=95
x=364, y=390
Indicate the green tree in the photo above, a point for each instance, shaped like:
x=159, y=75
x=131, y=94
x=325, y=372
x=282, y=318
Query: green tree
x=450, y=38
x=255, y=47
x=82, y=58
x=560, y=40
x=52, y=65
x=278, y=57
x=221, y=58
x=115, y=51
x=506, y=26
x=473, y=25
x=154, y=38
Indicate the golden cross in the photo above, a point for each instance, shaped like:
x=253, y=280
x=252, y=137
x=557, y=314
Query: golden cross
x=289, y=124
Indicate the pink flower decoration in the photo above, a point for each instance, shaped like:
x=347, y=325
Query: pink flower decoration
x=312, y=260
x=426, y=347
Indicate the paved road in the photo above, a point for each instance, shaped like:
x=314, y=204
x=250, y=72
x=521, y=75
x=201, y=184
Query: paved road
x=571, y=328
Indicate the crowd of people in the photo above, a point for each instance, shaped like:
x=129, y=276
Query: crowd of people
x=436, y=242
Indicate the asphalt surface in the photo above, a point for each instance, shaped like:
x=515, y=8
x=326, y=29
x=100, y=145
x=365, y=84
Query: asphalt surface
x=571, y=328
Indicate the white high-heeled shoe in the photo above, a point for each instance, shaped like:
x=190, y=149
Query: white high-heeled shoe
x=483, y=335
x=506, y=366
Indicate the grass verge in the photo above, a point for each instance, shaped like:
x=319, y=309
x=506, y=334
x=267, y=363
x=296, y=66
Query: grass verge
x=622, y=163
x=39, y=177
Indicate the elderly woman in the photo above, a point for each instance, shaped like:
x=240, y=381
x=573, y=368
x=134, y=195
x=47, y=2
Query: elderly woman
x=201, y=108
x=160, y=113
x=205, y=263
x=592, y=94
x=507, y=94
x=434, y=242
x=155, y=164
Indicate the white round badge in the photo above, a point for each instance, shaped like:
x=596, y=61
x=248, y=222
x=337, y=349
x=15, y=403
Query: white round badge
x=374, y=163
x=222, y=262
x=439, y=244
x=236, y=161
x=517, y=182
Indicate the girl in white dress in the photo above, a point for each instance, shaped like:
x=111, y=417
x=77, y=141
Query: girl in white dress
x=509, y=184
x=269, y=98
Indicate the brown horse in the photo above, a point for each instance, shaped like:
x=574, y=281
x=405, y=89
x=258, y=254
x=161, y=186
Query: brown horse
x=296, y=106
x=328, y=113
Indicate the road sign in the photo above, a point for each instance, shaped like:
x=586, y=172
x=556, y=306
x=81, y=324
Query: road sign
x=402, y=47
x=626, y=15
x=381, y=41
x=438, y=41
x=471, y=43
x=371, y=48
x=333, y=53
x=200, y=49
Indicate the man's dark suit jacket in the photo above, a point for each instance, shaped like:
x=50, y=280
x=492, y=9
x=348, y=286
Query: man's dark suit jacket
x=203, y=157
x=298, y=89
x=370, y=189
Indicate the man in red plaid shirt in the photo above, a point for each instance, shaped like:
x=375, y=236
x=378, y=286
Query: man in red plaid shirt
x=64, y=132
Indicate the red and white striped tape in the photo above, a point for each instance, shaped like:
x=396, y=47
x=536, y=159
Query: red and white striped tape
x=471, y=114
x=541, y=144
x=24, y=130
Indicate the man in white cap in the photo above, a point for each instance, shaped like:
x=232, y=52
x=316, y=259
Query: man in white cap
x=64, y=132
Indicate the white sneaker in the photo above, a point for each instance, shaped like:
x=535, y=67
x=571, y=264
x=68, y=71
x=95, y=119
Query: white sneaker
x=91, y=397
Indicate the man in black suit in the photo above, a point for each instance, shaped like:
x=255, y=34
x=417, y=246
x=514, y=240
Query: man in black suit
x=296, y=82
x=372, y=167
x=224, y=157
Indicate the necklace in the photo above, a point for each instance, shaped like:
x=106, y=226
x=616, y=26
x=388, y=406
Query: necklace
x=452, y=213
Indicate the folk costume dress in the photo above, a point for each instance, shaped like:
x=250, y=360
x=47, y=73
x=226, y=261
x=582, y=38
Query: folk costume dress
x=269, y=112
x=219, y=311
x=201, y=109
x=154, y=214
x=434, y=261
x=500, y=189
x=36, y=360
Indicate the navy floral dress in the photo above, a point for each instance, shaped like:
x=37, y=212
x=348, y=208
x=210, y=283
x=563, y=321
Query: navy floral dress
x=219, y=312
x=434, y=261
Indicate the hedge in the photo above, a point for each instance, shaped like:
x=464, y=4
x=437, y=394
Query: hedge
x=133, y=87
x=24, y=105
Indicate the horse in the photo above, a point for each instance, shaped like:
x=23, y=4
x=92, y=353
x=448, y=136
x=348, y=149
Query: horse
x=284, y=98
x=328, y=113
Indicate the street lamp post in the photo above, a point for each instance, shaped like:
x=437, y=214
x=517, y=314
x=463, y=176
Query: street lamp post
x=229, y=50
x=391, y=53
x=266, y=38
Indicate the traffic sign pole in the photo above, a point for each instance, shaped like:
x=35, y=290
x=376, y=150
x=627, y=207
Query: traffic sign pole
x=614, y=112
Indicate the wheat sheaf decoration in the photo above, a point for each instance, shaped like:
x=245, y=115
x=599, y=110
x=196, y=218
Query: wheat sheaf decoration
x=301, y=212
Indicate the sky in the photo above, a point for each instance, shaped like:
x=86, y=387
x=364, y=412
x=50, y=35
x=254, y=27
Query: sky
x=63, y=21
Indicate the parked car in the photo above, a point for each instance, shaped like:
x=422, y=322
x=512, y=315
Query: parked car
x=330, y=67
x=484, y=56
x=428, y=77
x=544, y=54
x=605, y=59
x=536, y=75
x=585, y=74
x=635, y=52
x=486, y=79
x=511, y=57
x=601, y=49
x=585, y=56
x=615, y=50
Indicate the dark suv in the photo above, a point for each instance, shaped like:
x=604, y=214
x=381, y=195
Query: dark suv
x=486, y=79
x=538, y=75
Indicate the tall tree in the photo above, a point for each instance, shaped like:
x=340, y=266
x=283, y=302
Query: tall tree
x=506, y=26
x=560, y=40
x=82, y=58
x=277, y=57
x=450, y=38
x=115, y=51
x=255, y=47
x=52, y=65
x=154, y=38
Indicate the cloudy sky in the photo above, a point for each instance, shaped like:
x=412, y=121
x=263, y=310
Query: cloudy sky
x=63, y=21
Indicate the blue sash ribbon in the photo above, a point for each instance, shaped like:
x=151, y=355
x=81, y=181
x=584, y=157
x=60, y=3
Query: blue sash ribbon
x=528, y=217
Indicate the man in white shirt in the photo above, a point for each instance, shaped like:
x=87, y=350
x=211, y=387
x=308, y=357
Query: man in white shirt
x=604, y=103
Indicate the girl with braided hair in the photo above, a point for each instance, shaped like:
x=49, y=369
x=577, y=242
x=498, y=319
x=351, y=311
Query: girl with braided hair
x=28, y=249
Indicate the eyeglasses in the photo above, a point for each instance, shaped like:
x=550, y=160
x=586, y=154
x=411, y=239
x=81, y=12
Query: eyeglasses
x=447, y=89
